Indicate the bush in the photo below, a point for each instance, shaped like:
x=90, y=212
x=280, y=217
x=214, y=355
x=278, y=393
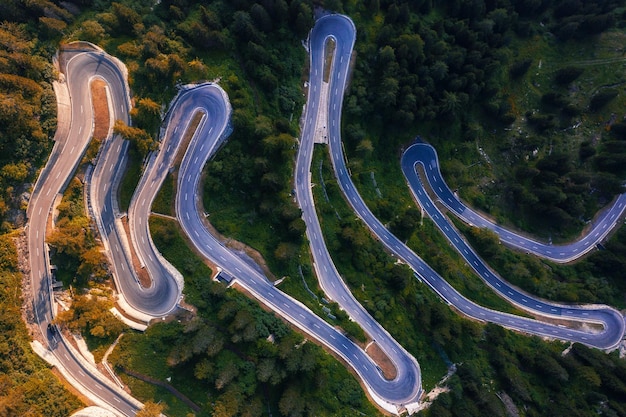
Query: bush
x=520, y=68
x=601, y=99
x=566, y=75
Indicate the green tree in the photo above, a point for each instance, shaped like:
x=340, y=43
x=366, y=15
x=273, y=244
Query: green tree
x=91, y=315
x=138, y=137
x=151, y=409
x=92, y=31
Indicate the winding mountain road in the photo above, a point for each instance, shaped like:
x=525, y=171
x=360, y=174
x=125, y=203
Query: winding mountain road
x=154, y=301
x=82, y=66
x=165, y=289
x=161, y=297
x=406, y=387
x=426, y=155
x=611, y=320
x=213, y=103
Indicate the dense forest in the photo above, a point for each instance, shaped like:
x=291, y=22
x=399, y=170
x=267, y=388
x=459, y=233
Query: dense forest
x=423, y=74
x=496, y=85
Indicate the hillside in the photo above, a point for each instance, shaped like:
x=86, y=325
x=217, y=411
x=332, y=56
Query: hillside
x=522, y=100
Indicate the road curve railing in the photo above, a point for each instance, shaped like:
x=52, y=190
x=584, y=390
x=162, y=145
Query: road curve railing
x=611, y=321
x=606, y=221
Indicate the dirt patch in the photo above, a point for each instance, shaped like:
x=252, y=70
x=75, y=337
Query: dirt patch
x=191, y=130
x=102, y=120
x=328, y=58
x=28, y=314
x=382, y=360
x=572, y=324
x=142, y=273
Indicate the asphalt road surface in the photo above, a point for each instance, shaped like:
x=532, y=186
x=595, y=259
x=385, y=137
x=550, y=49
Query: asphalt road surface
x=81, y=68
x=611, y=320
x=161, y=296
x=610, y=218
x=341, y=29
x=213, y=103
x=164, y=292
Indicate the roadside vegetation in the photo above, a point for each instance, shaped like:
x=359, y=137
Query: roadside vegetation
x=523, y=113
x=595, y=279
x=28, y=385
x=77, y=256
x=27, y=115
x=232, y=357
